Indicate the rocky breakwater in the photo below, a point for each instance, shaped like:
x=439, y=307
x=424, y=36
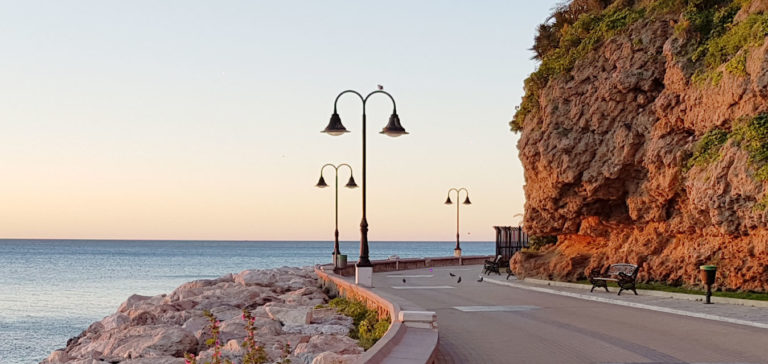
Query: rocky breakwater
x=162, y=329
x=644, y=139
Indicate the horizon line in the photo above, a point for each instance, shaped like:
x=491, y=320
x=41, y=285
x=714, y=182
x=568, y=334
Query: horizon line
x=252, y=241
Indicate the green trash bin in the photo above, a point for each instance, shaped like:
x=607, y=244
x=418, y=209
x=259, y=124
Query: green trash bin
x=341, y=261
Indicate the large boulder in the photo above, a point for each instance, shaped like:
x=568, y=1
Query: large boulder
x=316, y=329
x=290, y=316
x=339, y=344
x=132, y=302
x=138, y=342
x=265, y=278
x=329, y=357
x=115, y=321
x=57, y=357
x=155, y=360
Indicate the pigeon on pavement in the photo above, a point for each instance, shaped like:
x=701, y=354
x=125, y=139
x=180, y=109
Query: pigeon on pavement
x=481, y=279
x=403, y=280
x=459, y=281
x=451, y=274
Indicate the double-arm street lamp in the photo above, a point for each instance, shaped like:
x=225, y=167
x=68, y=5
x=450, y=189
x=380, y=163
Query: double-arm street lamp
x=393, y=129
x=350, y=184
x=457, y=250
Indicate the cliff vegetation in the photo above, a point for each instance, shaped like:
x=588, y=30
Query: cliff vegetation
x=644, y=138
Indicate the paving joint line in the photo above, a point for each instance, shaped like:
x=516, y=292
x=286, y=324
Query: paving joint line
x=632, y=304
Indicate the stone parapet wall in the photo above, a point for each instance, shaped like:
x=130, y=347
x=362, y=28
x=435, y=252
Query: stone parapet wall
x=391, y=265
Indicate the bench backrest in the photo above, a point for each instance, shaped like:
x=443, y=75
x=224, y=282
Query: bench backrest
x=628, y=269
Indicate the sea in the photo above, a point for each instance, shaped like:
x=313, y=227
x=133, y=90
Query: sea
x=51, y=290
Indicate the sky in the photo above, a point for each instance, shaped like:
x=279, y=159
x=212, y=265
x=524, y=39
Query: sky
x=202, y=119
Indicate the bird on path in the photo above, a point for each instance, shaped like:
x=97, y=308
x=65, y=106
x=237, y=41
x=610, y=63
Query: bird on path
x=451, y=274
x=459, y=281
x=380, y=87
x=403, y=280
x=481, y=279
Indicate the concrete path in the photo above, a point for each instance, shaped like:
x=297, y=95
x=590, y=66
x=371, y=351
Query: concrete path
x=490, y=323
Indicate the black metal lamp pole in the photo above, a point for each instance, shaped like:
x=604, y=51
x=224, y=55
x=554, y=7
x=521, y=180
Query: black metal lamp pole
x=466, y=202
x=350, y=184
x=393, y=129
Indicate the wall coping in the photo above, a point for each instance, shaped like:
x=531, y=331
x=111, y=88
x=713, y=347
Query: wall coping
x=387, y=265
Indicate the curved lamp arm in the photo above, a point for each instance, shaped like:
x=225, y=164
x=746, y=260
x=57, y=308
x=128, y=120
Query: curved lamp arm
x=345, y=92
x=394, y=105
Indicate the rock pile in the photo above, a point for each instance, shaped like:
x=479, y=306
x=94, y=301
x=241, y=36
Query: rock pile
x=162, y=328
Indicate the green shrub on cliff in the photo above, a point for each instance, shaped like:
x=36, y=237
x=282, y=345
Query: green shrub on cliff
x=752, y=136
x=707, y=149
x=729, y=44
x=577, y=29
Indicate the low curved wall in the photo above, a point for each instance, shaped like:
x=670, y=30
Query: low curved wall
x=401, y=321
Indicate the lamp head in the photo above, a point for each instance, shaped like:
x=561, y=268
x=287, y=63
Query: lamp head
x=351, y=183
x=393, y=128
x=467, y=201
x=321, y=183
x=448, y=201
x=335, y=127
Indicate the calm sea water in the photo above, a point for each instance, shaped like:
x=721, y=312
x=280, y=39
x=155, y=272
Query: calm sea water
x=51, y=290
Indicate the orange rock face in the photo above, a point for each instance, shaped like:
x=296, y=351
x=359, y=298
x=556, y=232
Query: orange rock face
x=605, y=159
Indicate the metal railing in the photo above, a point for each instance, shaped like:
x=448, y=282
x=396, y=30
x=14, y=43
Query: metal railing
x=509, y=240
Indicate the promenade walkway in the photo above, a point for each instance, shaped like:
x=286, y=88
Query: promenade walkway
x=483, y=322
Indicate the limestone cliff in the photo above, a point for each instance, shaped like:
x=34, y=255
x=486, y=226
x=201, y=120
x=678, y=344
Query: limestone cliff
x=645, y=141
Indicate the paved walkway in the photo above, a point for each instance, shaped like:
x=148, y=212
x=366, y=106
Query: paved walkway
x=492, y=323
x=743, y=315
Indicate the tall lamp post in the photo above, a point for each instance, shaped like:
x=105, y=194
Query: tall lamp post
x=457, y=250
x=350, y=184
x=364, y=268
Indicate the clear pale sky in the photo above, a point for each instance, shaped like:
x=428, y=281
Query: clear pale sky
x=202, y=119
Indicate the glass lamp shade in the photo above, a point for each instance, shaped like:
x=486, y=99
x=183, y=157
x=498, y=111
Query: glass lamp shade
x=335, y=127
x=393, y=128
x=448, y=201
x=351, y=183
x=467, y=201
x=321, y=183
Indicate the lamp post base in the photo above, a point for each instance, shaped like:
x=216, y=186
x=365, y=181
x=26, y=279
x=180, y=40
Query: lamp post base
x=456, y=252
x=364, y=276
x=333, y=260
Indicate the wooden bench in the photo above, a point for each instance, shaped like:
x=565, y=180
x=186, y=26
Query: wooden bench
x=492, y=266
x=625, y=275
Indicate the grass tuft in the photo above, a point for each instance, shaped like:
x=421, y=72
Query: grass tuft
x=369, y=328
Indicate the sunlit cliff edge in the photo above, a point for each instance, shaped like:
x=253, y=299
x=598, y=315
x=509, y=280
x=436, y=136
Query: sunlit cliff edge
x=644, y=138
